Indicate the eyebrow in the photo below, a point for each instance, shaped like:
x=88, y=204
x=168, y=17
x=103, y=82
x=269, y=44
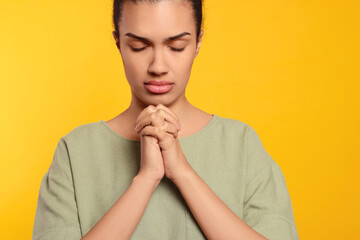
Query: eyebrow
x=166, y=40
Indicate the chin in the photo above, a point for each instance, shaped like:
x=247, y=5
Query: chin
x=165, y=102
x=144, y=98
x=164, y=99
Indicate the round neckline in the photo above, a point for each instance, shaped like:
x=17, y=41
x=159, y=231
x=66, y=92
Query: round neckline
x=117, y=135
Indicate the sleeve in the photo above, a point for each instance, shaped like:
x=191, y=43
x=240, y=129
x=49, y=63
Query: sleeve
x=267, y=205
x=56, y=214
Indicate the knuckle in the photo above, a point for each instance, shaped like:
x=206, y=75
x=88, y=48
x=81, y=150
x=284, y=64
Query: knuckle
x=152, y=116
x=161, y=112
x=151, y=107
x=159, y=105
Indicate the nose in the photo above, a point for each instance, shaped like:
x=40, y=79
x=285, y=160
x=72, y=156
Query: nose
x=158, y=65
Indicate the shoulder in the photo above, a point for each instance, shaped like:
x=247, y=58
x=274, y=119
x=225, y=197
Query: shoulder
x=237, y=130
x=236, y=134
x=234, y=127
x=82, y=133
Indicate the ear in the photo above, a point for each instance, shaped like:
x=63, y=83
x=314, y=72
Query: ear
x=117, y=41
x=199, y=42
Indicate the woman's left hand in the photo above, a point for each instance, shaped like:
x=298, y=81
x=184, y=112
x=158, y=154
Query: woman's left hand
x=163, y=124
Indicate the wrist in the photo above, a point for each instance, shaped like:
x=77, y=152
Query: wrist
x=179, y=176
x=146, y=179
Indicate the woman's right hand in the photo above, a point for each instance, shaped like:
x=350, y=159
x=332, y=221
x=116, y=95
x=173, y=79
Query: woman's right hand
x=151, y=163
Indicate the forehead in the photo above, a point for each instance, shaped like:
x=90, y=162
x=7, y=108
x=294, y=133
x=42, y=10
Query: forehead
x=157, y=20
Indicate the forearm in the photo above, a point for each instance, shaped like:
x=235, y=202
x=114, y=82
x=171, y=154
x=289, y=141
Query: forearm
x=121, y=219
x=216, y=220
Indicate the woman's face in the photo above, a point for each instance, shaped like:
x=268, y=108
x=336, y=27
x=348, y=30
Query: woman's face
x=158, y=43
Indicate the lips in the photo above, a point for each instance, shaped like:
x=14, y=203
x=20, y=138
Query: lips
x=159, y=86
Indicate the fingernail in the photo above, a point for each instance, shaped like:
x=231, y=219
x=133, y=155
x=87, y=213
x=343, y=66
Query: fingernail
x=136, y=128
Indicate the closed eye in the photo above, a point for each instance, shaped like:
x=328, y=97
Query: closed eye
x=138, y=49
x=177, y=49
x=173, y=49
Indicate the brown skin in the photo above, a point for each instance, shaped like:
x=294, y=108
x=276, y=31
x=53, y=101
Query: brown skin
x=159, y=120
x=158, y=61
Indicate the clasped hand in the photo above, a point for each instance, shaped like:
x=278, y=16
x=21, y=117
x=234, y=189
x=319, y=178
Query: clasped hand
x=161, y=153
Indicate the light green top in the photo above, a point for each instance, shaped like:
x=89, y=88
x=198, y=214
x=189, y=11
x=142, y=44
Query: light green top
x=93, y=165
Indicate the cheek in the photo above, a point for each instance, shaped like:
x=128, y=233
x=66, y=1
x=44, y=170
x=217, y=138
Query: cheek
x=133, y=67
x=182, y=67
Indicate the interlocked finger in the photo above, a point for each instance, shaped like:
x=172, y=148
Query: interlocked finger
x=149, y=109
x=156, y=118
x=165, y=140
x=169, y=128
x=161, y=106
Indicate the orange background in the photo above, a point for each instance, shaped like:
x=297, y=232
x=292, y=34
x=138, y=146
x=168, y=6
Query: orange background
x=290, y=69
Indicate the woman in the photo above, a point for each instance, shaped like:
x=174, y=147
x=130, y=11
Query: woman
x=162, y=169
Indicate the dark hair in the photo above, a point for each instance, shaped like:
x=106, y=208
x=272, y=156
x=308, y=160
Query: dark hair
x=195, y=4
